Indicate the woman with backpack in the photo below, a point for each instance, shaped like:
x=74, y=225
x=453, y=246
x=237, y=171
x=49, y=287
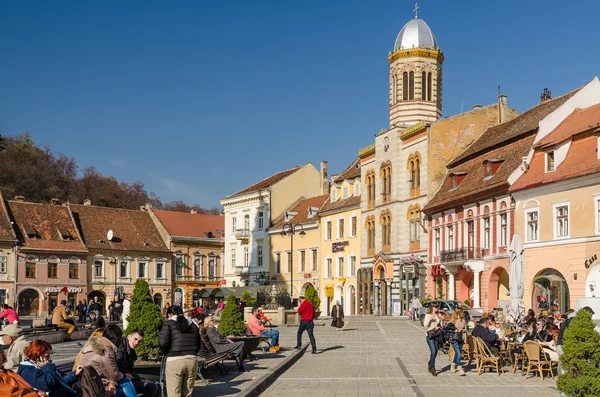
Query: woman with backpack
x=13, y=385
x=454, y=334
x=101, y=354
x=39, y=371
x=179, y=341
x=432, y=322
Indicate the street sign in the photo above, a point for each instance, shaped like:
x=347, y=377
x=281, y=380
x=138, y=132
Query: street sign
x=408, y=268
x=329, y=291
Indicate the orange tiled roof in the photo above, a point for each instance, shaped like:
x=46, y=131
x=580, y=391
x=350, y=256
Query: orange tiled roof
x=476, y=185
x=352, y=171
x=191, y=225
x=301, y=207
x=267, y=182
x=578, y=121
x=133, y=230
x=7, y=232
x=501, y=133
x=51, y=227
x=352, y=201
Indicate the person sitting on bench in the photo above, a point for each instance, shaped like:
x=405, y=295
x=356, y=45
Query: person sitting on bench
x=256, y=328
x=60, y=317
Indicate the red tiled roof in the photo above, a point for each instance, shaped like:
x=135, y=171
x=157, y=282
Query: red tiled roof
x=352, y=171
x=191, y=225
x=476, y=186
x=582, y=159
x=501, y=133
x=351, y=201
x=133, y=230
x=301, y=207
x=7, y=232
x=48, y=222
x=268, y=182
x=578, y=121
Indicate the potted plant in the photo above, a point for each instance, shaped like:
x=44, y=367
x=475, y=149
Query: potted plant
x=232, y=325
x=311, y=295
x=144, y=315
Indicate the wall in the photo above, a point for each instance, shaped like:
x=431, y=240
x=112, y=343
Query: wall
x=306, y=182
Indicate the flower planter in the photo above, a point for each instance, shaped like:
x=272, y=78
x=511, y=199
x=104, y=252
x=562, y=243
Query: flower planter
x=250, y=342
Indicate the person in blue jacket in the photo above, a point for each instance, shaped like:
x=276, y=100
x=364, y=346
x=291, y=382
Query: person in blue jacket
x=39, y=371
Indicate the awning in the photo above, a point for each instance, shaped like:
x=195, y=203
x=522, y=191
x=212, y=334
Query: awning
x=225, y=292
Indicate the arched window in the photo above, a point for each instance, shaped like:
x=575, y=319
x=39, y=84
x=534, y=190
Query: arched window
x=386, y=230
x=424, y=86
x=370, y=181
x=370, y=227
x=429, y=96
x=414, y=219
x=411, y=86
x=261, y=220
x=414, y=169
x=405, y=86
x=394, y=89
x=386, y=180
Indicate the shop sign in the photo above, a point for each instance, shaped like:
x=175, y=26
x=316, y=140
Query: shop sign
x=62, y=289
x=223, y=282
x=307, y=275
x=436, y=270
x=411, y=259
x=329, y=291
x=339, y=246
x=342, y=280
x=590, y=261
x=408, y=268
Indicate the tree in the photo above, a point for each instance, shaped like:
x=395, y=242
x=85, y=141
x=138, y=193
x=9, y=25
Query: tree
x=247, y=299
x=144, y=315
x=232, y=321
x=581, y=358
x=311, y=295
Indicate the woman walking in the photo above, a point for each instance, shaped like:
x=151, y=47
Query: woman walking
x=179, y=341
x=455, y=334
x=432, y=323
x=337, y=315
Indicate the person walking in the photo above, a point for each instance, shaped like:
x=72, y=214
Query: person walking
x=81, y=308
x=337, y=316
x=179, y=341
x=126, y=309
x=307, y=313
x=60, y=317
x=415, y=305
x=454, y=333
x=432, y=322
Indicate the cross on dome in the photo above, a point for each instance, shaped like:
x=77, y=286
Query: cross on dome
x=416, y=10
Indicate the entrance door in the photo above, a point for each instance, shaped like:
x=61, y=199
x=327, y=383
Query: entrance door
x=28, y=303
x=383, y=298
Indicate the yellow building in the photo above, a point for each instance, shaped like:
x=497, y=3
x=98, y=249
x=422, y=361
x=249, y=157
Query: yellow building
x=340, y=242
x=294, y=239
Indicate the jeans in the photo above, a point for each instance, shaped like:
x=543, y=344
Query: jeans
x=433, y=350
x=125, y=388
x=307, y=326
x=415, y=314
x=457, y=346
x=273, y=334
x=146, y=388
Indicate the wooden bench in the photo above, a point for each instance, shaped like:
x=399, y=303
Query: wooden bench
x=207, y=360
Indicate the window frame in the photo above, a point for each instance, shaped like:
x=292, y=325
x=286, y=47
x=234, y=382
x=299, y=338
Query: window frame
x=96, y=261
x=487, y=232
x=145, y=264
x=328, y=230
x=353, y=226
x=352, y=266
x=76, y=265
x=555, y=207
x=261, y=220
x=159, y=265
x=437, y=242
x=450, y=238
x=341, y=228
x=340, y=267
x=127, y=268
x=277, y=262
x=233, y=254
x=30, y=267
x=503, y=229
x=302, y=261
x=246, y=256
x=259, y=255
x=3, y=264
x=329, y=267
x=198, y=266
x=288, y=259
x=528, y=211
x=53, y=265
x=315, y=259
x=550, y=155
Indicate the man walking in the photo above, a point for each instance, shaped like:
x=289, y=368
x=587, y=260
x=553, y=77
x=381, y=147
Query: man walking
x=415, y=305
x=126, y=358
x=60, y=317
x=307, y=313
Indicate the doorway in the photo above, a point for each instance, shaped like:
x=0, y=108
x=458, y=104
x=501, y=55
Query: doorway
x=28, y=303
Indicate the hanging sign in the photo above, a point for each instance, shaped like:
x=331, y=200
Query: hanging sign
x=436, y=270
x=329, y=291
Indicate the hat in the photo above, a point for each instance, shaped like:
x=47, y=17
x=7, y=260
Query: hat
x=588, y=309
x=11, y=330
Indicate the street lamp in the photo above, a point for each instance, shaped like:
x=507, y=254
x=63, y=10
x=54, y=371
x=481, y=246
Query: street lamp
x=290, y=228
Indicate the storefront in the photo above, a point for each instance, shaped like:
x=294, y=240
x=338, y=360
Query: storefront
x=39, y=302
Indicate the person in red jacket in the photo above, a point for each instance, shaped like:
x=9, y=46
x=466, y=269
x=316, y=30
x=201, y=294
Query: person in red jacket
x=10, y=314
x=307, y=313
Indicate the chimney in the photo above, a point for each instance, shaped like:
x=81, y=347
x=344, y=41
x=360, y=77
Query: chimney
x=54, y=201
x=546, y=95
x=503, y=100
x=87, y=202
x=477, y=106
x=148, y=206
x=20, y=198
x=324, y=177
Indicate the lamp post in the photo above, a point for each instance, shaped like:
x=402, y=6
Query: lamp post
x=290, y=228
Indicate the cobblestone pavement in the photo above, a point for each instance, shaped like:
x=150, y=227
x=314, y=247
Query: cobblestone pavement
x=377, y=356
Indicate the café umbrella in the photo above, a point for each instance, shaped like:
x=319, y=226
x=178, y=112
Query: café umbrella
x=516, y=277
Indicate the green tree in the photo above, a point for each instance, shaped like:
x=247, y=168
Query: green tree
x=144, y=315
x=581, y=358
x=232, y=321
x=311, y=295
x=247, y=299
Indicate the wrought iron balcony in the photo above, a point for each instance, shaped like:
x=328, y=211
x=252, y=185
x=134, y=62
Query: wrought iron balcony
x=242, y=234
x=461, y=255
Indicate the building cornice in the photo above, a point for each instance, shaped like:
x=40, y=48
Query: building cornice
x=366, y=151
x=260, y=195
x=414, y=130
x=417, y=52
x=556, y=187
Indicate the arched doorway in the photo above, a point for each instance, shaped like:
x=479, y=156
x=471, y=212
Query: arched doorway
x=592, y=283
x=28, y=302
x=351, y=294
x=158, y=299
x=551, y=284
x=303, y=289
x=101, y=298
x=382, y=292
x=178, y=296
x=338, y=294
x=196, y=298
x=498, y=291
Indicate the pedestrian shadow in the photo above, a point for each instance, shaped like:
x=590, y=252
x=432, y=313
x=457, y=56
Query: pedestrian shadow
x=349, y=329
x=218, y=388
x=331, y=348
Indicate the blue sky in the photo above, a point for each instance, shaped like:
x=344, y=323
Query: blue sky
x=198, y=99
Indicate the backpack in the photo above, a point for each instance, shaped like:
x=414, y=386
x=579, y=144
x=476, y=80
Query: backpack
x=90, y=383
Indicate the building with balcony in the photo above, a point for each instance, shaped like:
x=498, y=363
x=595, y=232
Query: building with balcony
x=557, y=197
x=341, y=276
x=52, y=257
x=250, y=213
x=471, y=217
x=123, y=245
x=196, y=243
x=294, y=239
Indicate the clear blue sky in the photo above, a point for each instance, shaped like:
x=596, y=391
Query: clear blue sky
x=198, y=99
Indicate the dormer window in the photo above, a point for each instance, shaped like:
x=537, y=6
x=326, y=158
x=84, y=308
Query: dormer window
x=457, y=179
x=345, y=192
x=491, y=167
x=333, y=195
x=30, y=231
x=550, y=161
x=65, y=235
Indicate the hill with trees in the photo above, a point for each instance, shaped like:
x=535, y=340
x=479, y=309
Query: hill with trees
x=40, y=176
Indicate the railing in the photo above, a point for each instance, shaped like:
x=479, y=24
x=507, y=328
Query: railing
x=461, y=255
x=242, y=233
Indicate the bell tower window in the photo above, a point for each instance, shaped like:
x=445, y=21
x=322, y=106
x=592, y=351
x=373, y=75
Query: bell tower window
x=411, y=86
x=424, y=86
x=405, y=86
x=429, y=86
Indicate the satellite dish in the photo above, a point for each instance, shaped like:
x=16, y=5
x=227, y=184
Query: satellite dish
x=109, y=235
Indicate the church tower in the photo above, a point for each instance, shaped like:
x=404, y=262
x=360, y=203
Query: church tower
x=415, y=75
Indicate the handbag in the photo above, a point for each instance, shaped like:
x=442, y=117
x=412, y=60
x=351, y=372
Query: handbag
x=434, y=333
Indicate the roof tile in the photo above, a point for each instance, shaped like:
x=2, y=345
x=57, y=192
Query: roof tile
x=7, y=232
x=267, y=182
x=351, y=172
x=339, y=204
x=301, y=207
x=185, y=224
x=578, y=121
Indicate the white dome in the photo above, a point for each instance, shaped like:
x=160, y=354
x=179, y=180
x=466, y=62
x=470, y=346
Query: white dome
x=415, y=34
